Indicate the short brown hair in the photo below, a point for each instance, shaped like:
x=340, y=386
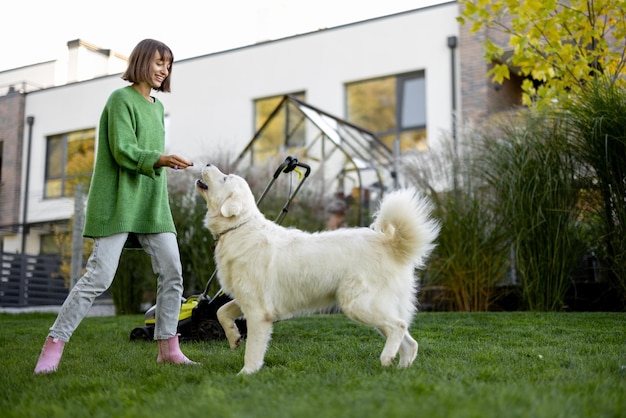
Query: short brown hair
x=140, y=59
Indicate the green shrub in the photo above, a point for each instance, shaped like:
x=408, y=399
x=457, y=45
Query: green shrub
x=597, y=122
x=471, y=256
x=534, y=179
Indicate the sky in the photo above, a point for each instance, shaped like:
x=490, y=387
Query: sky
x=34, y=31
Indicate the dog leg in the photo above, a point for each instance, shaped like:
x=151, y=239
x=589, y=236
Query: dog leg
x=394, y=331
x=227, y=314
x=392, y=328
x=259, y=333
x=408, y=350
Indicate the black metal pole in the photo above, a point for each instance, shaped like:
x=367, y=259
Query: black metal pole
x=31, y=121
x=452, y=43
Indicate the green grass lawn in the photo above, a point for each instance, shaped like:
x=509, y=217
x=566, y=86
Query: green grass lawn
x=516, y=364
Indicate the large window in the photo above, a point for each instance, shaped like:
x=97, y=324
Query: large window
x=391, y=107
x=69, y=162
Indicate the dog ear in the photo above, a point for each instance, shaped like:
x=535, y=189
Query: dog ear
x=230, y=207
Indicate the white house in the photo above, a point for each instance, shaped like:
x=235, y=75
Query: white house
x=218, y=100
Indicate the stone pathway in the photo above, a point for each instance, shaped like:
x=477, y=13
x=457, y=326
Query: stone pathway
x=99, y=308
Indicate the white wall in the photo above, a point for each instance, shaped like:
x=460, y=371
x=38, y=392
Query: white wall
x=211, y=104
x=30, y=77
x=211, y=100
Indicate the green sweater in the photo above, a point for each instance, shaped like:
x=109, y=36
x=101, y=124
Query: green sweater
x=127, y=194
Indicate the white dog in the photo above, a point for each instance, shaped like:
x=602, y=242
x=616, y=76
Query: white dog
x=273, y=273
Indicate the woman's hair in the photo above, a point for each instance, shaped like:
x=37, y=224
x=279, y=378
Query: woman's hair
x=141, y=58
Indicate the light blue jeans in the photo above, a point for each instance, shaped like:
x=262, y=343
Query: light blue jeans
x=101, y=268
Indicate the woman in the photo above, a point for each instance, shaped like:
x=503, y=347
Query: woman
x=128, y=195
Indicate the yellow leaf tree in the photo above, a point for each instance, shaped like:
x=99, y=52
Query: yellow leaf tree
x=558, y=46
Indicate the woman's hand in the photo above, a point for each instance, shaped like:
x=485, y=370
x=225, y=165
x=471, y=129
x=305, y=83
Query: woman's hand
x=173, y=161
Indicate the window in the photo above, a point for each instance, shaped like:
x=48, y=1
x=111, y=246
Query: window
x=286, y=129
x=50, y=243
x=69, y=162
x=391, y=107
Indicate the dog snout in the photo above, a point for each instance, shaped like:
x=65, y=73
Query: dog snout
x=202, y=185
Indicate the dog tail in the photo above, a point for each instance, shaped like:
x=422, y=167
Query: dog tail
x=404, y=217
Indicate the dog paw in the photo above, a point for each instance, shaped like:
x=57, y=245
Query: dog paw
x=386, y=361
x=234, y=345
x=233, y=336
x=407, y=360
x=248, y=370
x=404, y=363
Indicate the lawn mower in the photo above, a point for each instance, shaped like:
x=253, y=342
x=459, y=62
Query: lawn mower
x=197, y=320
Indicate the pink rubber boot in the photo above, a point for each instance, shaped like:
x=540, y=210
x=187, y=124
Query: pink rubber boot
x=169, y=352
x=50, y=356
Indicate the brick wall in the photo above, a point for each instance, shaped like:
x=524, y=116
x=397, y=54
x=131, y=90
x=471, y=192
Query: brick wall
x=473, y=72
x=12, y=129
x=479, y=96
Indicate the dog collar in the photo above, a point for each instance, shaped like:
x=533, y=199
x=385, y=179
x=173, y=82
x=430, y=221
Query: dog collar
x=221, y=234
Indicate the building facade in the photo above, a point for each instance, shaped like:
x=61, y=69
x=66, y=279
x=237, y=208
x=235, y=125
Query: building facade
x=410, y=78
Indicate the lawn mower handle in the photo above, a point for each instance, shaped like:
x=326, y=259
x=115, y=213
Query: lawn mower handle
x=289, y=165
